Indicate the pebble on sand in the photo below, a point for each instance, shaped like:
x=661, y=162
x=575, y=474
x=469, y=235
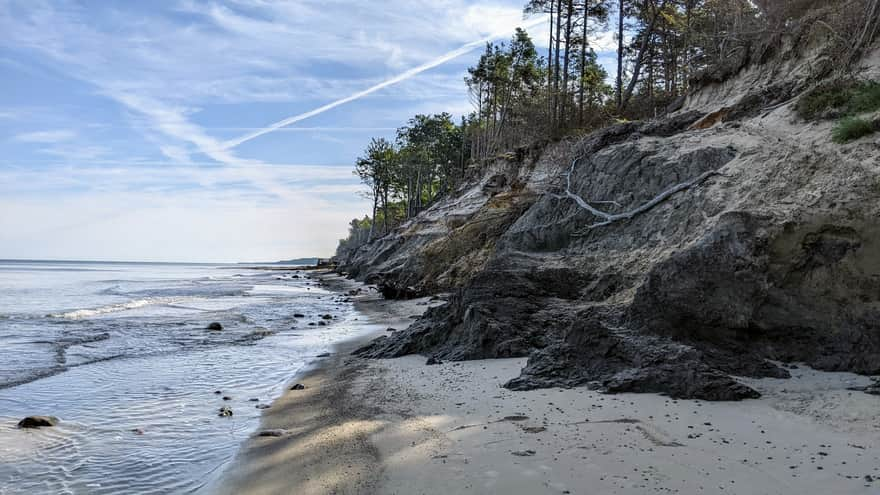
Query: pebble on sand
x=272, y=433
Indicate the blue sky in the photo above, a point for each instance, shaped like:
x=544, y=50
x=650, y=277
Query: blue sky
x=123, y=124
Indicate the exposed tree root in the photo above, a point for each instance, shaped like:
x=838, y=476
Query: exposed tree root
x=610, y=218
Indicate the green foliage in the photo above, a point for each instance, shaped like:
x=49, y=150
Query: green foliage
x=823, y=99
x=837, y=97
x=864, y=98
x=850, y=129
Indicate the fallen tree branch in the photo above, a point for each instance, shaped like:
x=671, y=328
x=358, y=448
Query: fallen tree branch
x=609, y=218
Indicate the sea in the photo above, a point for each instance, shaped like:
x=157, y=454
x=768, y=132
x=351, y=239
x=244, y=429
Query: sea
x=120, y=353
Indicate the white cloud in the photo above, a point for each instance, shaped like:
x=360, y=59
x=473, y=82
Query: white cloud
x=604, y=41
x=45, y=136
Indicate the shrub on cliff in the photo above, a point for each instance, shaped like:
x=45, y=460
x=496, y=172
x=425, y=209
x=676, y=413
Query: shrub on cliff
x=850, y=129
x=843, y=99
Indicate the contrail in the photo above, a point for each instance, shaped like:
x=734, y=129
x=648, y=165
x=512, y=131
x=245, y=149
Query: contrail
x=232, y=143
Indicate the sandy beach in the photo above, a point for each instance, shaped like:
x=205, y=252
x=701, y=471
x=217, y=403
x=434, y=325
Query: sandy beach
x=400, y=426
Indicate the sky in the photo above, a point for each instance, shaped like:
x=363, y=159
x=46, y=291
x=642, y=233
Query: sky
x=216, y=131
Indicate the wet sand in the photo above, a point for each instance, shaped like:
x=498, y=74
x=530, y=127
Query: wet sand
x=400, y=427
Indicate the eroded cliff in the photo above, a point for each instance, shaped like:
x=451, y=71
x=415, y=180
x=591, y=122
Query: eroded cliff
x=773, y=256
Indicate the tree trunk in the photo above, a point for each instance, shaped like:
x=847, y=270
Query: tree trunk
x=385, y=210
x=567, y=56
x=686, y=69
x=620, y=54
x=550, y=59
x=556, y=63
x=643, y=50
x=375, y=209
x=583, y=62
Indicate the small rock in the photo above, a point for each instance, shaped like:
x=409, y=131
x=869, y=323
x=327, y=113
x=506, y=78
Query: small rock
x=299, y=315
x=215, y=326
x=432, y=361
x=226, y=397
x=323, y=355
x=263, y=406
x=271, y=433
x=311, y=323
x=38, y=421
x=254, y=400
x=327, y=317
x=137, y=431
x=298, y=386
x=523, y=453
x=534, y=429
x=225, y=411
x=218, y=392
x=322, y=323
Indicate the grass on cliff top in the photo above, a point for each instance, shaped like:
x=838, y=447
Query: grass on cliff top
x=845, y=100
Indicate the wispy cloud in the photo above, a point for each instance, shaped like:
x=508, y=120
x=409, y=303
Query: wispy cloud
x=403, y=76
x=48, y=137
x=170, y=82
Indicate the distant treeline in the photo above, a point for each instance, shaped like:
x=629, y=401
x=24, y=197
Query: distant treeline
x=521, y=96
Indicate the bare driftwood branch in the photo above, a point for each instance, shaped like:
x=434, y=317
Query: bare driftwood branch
x=609, y=218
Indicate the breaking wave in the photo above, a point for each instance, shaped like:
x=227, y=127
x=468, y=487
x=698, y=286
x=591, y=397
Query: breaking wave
x=115, y=308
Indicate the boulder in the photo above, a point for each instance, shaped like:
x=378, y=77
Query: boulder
x=215, y=326
x=38, y=422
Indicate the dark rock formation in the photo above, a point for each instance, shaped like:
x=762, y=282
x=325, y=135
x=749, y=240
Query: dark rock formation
x=214, y=326
x=38, y=422
x=624, y=361
x=873, y=388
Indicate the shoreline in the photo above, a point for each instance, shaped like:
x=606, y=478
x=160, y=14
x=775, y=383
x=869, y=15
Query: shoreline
x=306, y=433
x=397, y=426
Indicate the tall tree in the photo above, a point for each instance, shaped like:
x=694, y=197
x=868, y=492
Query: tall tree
x=621, y=15
x=584, y=46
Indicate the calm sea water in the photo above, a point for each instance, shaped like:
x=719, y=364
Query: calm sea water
x=119, y=352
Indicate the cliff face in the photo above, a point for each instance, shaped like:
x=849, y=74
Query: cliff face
x=773, y=257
